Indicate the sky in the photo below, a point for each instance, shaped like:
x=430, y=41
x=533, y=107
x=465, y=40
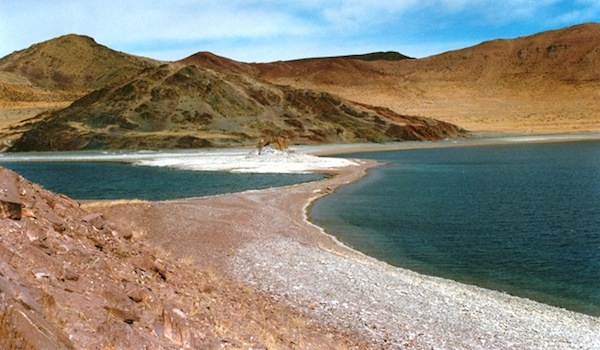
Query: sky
x=272, y=30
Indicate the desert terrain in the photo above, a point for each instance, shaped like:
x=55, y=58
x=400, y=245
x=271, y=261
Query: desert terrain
x=121, y=101
x=249, y=270
x=93, y=97
x=544, y=83
x=238, y=271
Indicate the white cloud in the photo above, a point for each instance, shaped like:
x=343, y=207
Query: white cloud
x=123, y=22
x=162, y=29
x=587, y=10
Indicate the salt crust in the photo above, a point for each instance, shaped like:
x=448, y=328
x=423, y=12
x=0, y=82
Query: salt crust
x=240, y=160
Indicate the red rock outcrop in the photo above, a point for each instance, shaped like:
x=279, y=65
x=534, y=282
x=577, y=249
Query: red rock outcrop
x=71, y=279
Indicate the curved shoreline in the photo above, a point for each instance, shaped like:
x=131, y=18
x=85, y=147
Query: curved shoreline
x=265, y=240
x=578, y=294
x=473, y=317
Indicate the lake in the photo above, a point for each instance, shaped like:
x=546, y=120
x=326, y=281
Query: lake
x=519, y=218
x=115, y=180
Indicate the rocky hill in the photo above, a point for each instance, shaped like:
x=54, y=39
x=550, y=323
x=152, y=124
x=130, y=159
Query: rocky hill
x=50, y=75
x=71, y=279
x=541, y=83
x=64, y=68
x=181, y=105
x=544, y=83
x=201, y=101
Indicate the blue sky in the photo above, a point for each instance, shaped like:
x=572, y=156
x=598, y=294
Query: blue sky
x=270, y=30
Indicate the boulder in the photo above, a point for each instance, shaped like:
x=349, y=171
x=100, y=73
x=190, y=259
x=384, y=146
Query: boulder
x=10, y=200
x=94, y=219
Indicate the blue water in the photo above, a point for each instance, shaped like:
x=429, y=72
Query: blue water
x=107, y=180
x=524, y=219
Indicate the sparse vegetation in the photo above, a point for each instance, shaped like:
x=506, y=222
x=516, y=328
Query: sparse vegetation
x=142, y=104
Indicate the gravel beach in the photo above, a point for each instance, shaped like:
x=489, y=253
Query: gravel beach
x=264, y=240
x=397, y=308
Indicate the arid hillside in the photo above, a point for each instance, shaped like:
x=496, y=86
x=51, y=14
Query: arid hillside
x=64, y=69
x=546, y=82
x=50, y=75
x=122, y=101
x=72, y=279
x=180, y=105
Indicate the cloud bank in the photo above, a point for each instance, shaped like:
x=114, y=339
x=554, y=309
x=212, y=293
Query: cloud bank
x=268, y=30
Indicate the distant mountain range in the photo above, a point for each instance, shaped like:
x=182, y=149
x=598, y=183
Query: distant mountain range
x=547, y=82
x=92, y=97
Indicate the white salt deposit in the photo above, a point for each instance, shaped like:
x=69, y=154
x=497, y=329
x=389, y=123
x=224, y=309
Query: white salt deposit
x=267, y=161
x=242, y=160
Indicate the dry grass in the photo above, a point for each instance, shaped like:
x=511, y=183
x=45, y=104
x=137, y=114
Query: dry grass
x=98, y=205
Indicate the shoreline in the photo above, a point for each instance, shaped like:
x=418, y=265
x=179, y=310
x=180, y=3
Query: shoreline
x=381, y=333
x=265, y=240
x=146, y=157
x=477, y=140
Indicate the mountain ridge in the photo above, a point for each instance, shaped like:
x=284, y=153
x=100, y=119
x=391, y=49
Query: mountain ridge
x=183, y=106
x=541, y=83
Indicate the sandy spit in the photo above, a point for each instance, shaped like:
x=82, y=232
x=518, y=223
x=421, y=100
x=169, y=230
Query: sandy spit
x=264, y=240
x=390, y=307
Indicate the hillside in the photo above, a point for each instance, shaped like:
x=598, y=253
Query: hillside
x=543, y=83
x=179, y=105
x=546, y=82
x=73, y=279
x=50, y=75
x=66, y=68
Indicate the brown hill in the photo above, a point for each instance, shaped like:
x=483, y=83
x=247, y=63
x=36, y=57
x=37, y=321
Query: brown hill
x=180, y=105
x=66, y=68
x=547, y=82
x=221, y=64
x=50, y=75
x=217, y=63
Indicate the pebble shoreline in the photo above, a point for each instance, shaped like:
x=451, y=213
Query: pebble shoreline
x=264, y=240
x=395, y=308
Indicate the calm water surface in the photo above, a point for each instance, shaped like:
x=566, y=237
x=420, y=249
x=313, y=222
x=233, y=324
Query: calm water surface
x=106, y=180
x=524, y=219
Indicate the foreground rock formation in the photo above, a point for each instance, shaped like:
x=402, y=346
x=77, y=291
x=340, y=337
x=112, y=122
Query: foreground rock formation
x=69, y=279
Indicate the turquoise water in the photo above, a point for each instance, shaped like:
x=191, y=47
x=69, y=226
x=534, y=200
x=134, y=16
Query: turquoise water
x=524, y=219
x=108, y=180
